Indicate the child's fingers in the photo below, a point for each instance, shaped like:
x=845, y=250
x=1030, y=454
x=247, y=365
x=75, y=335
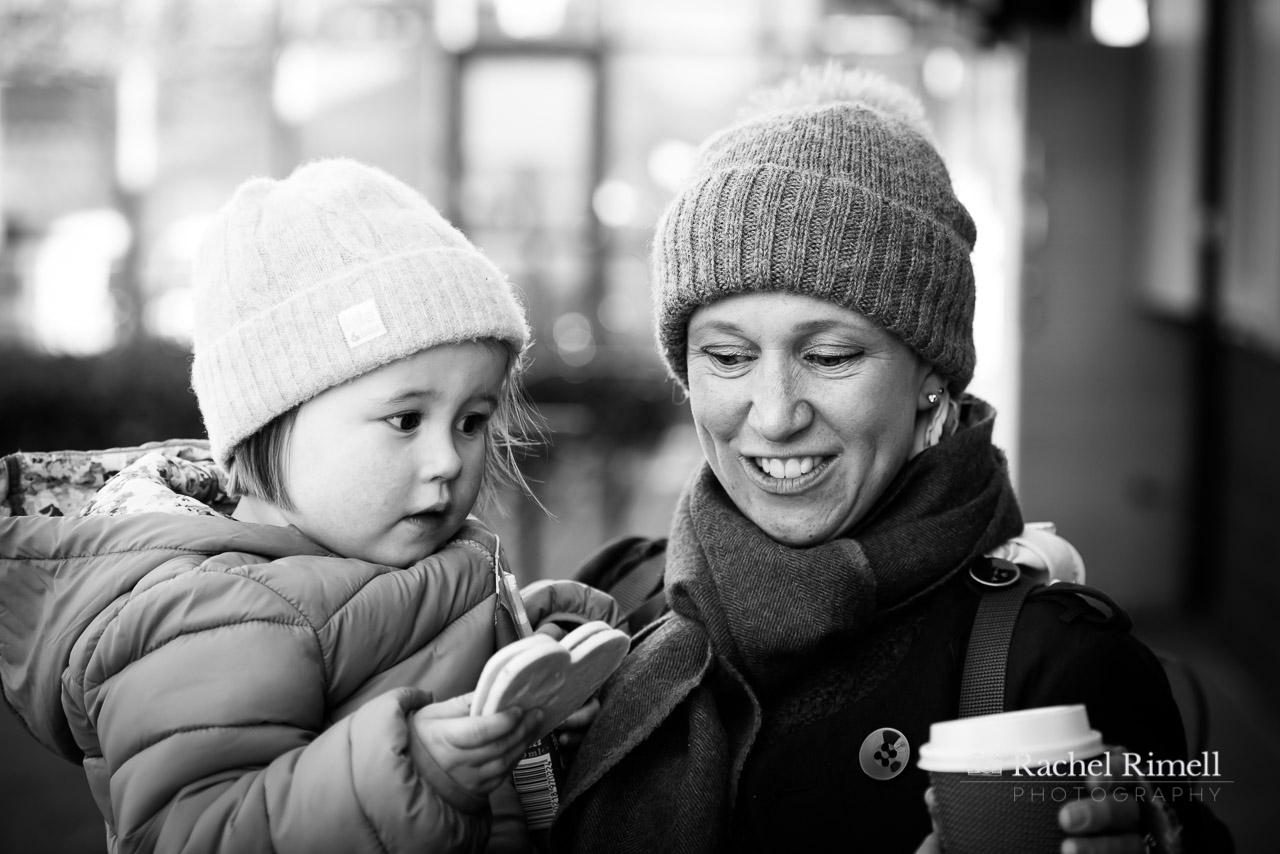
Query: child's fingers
x=520, y=739
x=483, y=731
x=457, y=707
x=490, y=763
x=582, y=718
x=571, y=740
x=508, y=731
x=551, y=630
x=498, y=767
x=573, y=731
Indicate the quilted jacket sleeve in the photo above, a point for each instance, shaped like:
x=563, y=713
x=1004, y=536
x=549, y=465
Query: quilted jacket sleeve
x=568, y=604
x=205, y=698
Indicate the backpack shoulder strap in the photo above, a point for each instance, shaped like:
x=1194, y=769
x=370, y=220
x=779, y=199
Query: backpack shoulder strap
x=982, y=682
x=641, y=584
x=1005, y=588
x=630, y=570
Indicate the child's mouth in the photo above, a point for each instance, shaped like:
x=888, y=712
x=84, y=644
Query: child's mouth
x=427, y=517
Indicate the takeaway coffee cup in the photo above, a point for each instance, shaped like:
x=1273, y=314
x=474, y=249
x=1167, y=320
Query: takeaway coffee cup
x=1000, y=780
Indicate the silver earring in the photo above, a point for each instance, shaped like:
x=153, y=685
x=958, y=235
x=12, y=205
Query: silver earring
x=933, y=397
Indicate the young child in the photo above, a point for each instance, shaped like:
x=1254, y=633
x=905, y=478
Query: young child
x=292, y=676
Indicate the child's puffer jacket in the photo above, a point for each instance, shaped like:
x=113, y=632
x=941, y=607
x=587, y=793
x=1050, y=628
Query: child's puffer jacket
x=234, y=687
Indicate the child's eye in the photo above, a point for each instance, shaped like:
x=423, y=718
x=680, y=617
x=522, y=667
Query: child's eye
x=405, y=422
x=473, y=423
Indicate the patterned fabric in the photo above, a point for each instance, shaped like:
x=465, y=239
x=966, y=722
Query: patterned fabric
x=162, y=482
x=64, y=483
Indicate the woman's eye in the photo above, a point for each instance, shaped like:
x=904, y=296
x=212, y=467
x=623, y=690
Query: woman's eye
x=473, y=423
x=727, y=358
x=405, y=422
x=830, y=359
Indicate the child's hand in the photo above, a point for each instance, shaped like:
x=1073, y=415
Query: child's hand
x=570, y=734
x=477, y=752
x=551, y=630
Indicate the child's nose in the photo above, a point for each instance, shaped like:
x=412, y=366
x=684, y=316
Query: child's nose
x=440, y=461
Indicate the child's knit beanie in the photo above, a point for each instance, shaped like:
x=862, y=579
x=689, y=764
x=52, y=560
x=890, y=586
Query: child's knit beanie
x=305, y=283
x=831, y=188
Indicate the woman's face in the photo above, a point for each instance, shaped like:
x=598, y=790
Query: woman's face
x=805, y=410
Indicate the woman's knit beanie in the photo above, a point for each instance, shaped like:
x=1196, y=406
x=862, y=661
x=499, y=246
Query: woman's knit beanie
x=832, y=188
x=305, y=283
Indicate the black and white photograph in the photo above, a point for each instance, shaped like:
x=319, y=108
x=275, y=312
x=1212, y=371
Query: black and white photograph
x=639, y=426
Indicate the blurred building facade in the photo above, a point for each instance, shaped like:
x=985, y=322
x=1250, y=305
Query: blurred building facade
x=551, y=131
x=1118, y=159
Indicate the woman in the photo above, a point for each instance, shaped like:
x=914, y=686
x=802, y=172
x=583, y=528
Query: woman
x=815, y=299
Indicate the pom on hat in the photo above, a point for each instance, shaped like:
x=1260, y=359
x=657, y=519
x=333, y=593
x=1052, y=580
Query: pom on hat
x=832, y=187
x=309, y=282
x=834, y=84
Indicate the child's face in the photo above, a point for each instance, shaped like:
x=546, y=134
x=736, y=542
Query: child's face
x=386, y=467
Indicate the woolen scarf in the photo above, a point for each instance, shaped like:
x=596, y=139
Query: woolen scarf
x=659, y=768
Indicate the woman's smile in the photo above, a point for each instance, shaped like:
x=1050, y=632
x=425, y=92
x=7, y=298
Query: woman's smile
x=787, y=475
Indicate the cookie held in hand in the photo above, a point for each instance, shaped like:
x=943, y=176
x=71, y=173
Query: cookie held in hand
x=537, y=672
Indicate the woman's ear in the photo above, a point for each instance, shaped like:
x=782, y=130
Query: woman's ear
x=931, y=388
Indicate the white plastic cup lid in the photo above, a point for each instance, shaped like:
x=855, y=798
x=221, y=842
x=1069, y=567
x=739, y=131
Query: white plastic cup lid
x=1010, y=739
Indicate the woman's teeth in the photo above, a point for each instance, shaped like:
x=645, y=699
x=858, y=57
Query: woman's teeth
x=788, y=468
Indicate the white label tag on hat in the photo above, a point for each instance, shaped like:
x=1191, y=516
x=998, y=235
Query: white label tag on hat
x=361, y=323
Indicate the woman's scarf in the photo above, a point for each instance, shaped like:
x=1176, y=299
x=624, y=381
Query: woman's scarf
x=750, y=614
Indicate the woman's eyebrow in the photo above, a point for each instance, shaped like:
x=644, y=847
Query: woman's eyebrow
x=714, y=326
x=826, y=325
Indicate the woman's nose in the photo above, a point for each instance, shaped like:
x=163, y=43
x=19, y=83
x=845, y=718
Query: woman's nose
x=779, y=404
